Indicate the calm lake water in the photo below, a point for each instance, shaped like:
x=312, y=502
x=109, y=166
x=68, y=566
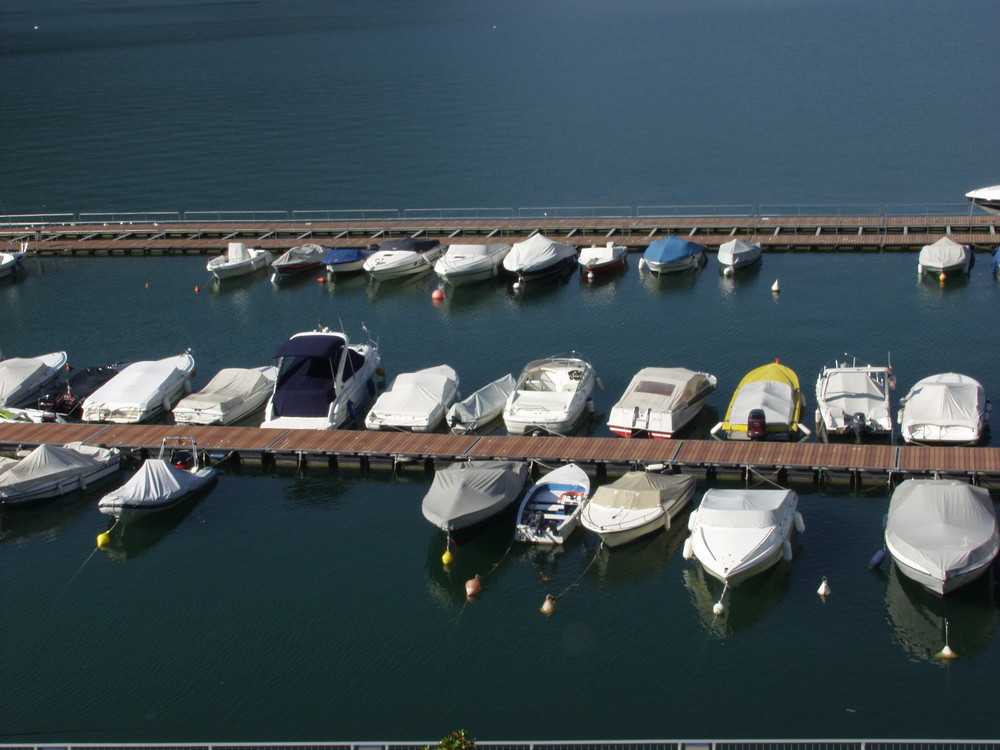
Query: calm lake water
x=315, y=607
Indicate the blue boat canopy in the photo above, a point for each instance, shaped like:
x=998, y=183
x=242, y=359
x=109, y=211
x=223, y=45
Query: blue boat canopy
x=337, y=255
x=671, y=249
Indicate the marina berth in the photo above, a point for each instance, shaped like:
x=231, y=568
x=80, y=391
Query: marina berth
x=66, y=399
x=673, y=255
x=142, y=391
x=415, y=401
x=231, y=395
x=602, y=260
x=550, y=510
x=24, y=379
x=767, y=405
x=941, y=533
x=466, y=264
x=51, y=471
x=944, y=408
x=552, y=396
x=299, y=259
x=659, y=401
x=945, y=256
x=537, y=257
x=402, y=258
x=853, y=399
x=636, y=504
x=481, y=408
x=239, y=260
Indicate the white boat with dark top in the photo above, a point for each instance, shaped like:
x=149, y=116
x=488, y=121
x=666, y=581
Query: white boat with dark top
x=550, y=510
x=142, y=391
x=239, y=260
x=51, y=471
x=231, y=395
x=415, y=401
x=401, y=258
x=465, y=264
x=24, y=379
x=636, y=504
x=659, y=401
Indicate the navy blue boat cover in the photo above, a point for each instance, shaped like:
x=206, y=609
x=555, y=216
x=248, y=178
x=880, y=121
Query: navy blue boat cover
x=305, y=386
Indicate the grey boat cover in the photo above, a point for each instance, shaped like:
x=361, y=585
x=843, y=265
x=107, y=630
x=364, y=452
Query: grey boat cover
x=228, y=389
x=942, y=526
x=15, y=374
x=643, y=489
x=156, y=484
x=52, y=463
x=485, y=403
x=948, y=399
x=464, y=494
x=943, y=254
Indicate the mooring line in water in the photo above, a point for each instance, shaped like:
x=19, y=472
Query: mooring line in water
x=73, y=577
x=583, y=573
x=765, y=479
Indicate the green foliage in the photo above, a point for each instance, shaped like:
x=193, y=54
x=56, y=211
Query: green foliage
x=457, y=740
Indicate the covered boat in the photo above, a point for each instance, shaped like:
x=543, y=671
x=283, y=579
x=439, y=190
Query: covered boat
x=672, y=254
x=636, y=504
x=942, y=533
x=54, y=470
x=552, y=395
x=987, y=198
x=945, y=408
x=347, y=259
x=416, y=401
x=659, y=401
x=767, y=405
x=239, y=260
x=299, y=259
x=598, y=260
x=945, y=256
x=323, y=381
x=24, y=379
x=400, y=258
x=142, y=391
x=465, y=264
x=161, y=482
x=468, y=497
x=539, y=256
x=481, y=407
x=551, y=508
x=738, y=254
x=230, y=396
x=738, y=533
x=852, y=398
x=67, y=399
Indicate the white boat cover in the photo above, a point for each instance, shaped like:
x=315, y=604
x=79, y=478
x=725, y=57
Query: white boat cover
x=662, y=389
x=484, y=404
x=776, y=399
x=7, y=464
x=156, y=484
x=229, y=389
x=52, y=463
x=641, y=490
x=237, y=252
x=414, y=395
x=942, y=526
x=736, y=252
x=847, y=391
x=744, y=509
x=466, y=493
x=308, y=253
x=14, y=373
x=945, y=253
x=947, y=401
x=465, y=258
x=141, y=385
x=536, y=252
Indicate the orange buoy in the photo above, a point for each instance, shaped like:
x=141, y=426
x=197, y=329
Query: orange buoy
x=473, y=587
x=321, y=279
x=197, y=289
x=437, y=295
x=147, y=285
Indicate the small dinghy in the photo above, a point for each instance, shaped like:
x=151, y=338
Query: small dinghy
x=239, y=260
x=230, y=396
x=467, y=498
x=161, y=482
x=603, y=260
x=54, y=470
x=481, y=407
x=24, y=379
x=737, y=254
x=141, y=392
x=551, y=508
x=636, y=504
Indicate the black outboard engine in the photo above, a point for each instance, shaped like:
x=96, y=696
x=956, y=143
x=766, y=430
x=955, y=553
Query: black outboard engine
x=756, y=425
x=858, y=424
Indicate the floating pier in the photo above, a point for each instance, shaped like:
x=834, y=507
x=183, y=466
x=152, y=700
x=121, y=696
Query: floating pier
x=848, y=463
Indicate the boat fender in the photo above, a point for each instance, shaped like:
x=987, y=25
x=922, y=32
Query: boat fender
x=688, y=550
x=166, y=404
x=876, y=560
x=692, y=521
x=187, y=385
x=590, y=406
x=786, y=551
x=371, y=386
x=800, y=524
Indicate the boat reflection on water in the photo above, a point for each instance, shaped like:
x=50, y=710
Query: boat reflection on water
x=741, y=277
x=643, y=558
x=46, y=519
x=917, y=617
x=744, y=605
x=130, y=537
x=484, y=555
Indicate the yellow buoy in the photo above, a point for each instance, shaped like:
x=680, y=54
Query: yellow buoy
x=103, y=539
x=943, y=277
x=549, y=605
x=447, y=557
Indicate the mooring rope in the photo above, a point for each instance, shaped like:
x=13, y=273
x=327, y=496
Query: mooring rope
x=765, y=479
x=584, y=572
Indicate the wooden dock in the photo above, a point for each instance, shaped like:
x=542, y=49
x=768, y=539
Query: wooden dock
x=774, y=233
x=853, y=464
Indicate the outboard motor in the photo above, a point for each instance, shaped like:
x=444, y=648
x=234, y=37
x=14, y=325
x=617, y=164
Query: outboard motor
x=756, y=425
x=857, y=424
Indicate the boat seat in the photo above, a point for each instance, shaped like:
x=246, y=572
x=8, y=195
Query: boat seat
x=554, y=516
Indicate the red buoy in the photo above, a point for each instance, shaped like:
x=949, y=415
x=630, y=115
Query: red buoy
x=473, y=587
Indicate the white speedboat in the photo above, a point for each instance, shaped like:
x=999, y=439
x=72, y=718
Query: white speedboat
x=737, y=254
x=481, y=407
x=239, y=260
x=24, y=379
x=945, y=256
x=342, y=260
x=552, y=395
x=539, y=256
x=299, y=259
x=400, y=258
x=142, y=391
x=550, y=510
x=945, y=408
x=230, y=396
x=672, y=255
x=987, y=198
x=54, y=470
x=465, y=264
x=602, y=260
x=942, y=533
x=766, y=405
x=738, y=533
x=636, y=504
x=852, y=398
x=468, y=497
x=161, y=482
x=12, y=260
x=24, y=414
x=659, y=401
x=323, y=381
x=415, y=401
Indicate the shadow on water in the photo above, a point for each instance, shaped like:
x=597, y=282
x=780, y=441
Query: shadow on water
x=660, y=283
x=423, y=283
x=342, y=283
x=745, y=605
x=46, y=518
x=740, y=277
x=222, y=287
x=131, y=537
x=646, y=557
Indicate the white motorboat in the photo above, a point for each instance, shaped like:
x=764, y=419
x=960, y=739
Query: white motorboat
x=552, y=395
x=299, y=259
x=636, y=504
x=12, y=260
x=987, y=198
x=239, y=260
x=142, y=391
x=468, y=497
x=602, y=260
x=736, y=534
x=942, y=533
x=161, y=482
x=766, y=405
x=550, y=510
x=323, y=381
x=672, y=255
x=853, y=399
x=481, y=408
x=945, y=256
x=415, y=401
x=400, y=258
x=54, y=470
x=465, y=264
x=945, y=408
x=539, y=256
x=230, y=396
x=342, y=260
x=24, y=379
x=737, y=254
x=659, y=401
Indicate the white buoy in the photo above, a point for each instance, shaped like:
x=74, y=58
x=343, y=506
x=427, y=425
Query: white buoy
x=718, y=609
x=687, y=551
x=824, y=589
x=727, y=271
x=946, y=652
x=776, y=287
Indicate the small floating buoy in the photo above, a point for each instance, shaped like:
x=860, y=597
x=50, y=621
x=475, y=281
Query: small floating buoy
x=437, y=295
x=590, y=275
x=824, y=589
x=549, y=605
x=876, y=560
x=776, y=287
x=447, y=557
x=727, y=271
x=147, y=285
x=197, y=289
x=103, y=539
x=946, y=652
x=473, y=587
x=718, y=609
x=943, y=277
x=321, y=279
